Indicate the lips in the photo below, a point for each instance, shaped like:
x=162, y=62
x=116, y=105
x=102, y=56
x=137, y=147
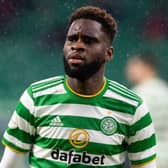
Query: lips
x=75, y=58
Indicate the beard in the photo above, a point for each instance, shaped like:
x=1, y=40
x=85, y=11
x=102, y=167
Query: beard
x=85, y=71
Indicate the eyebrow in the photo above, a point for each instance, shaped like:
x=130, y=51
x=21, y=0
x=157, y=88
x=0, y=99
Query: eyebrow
x=83, y=36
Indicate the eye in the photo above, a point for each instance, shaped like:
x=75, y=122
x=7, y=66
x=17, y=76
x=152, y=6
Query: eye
x=89, y=40
x=72, y=38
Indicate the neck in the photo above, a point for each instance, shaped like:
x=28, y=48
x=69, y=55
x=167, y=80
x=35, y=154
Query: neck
x=87, y=87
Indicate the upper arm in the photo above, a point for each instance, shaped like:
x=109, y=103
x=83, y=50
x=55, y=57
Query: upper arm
x=142, y=140
x=11, y=159
x=20, y=132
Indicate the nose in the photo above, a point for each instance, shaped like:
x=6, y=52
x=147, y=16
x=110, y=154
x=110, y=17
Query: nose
x=78, y=46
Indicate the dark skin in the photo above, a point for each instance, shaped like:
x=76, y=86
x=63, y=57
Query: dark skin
x=85, y=42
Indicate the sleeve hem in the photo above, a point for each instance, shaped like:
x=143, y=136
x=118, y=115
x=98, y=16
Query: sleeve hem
x=14, y=150
x=144, y=164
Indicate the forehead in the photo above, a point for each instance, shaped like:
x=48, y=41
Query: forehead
x=135, y=60
x=85, y=27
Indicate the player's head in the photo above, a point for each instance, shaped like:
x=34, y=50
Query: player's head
x=88, y=43
x=108, y=23
x=141, y=67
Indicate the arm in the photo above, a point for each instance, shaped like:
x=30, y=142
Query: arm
x=11, y=159
x=141, y=140
x=19, y=135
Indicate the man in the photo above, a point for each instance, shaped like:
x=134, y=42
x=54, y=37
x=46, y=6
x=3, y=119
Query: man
x=142, y=72
x=82, y=119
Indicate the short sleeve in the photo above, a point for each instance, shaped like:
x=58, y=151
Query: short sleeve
x=20, y=131
x=142, y=139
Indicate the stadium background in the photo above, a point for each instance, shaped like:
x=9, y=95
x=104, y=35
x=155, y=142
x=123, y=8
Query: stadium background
x=32, y=33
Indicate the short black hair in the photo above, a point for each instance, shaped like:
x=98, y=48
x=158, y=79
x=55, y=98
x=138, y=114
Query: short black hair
x=108, y=23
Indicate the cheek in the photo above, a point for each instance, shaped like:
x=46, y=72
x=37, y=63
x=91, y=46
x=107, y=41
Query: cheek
x=65, y=49
x=134, y=73
x=132, y=70
x=98, y=51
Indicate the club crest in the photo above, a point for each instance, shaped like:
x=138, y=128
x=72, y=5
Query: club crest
x=108, y=126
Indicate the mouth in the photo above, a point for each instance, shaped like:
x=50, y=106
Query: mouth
x=75, y=59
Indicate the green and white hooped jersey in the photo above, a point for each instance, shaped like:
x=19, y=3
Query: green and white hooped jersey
x=60, y=128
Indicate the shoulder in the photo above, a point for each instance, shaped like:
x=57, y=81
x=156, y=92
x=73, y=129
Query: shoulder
x=122, y=93
x=47, y=86
x=47, y=81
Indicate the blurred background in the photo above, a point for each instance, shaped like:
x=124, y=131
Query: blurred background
x=32, y=34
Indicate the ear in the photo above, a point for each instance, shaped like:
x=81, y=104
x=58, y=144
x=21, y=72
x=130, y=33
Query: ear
x=109, y=54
